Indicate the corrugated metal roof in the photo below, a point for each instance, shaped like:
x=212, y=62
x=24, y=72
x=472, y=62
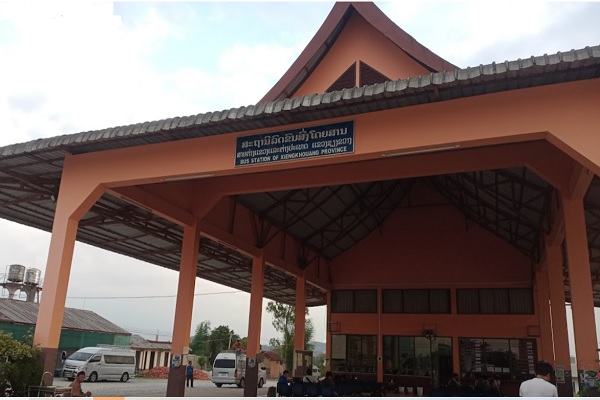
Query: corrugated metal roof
x=495, y=77
x=139, y=343
x=23, y=312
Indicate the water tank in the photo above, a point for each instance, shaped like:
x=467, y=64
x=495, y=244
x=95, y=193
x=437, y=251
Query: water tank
x=32, y=276
x=16, y=273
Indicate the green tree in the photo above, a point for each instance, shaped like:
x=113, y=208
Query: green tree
x=199, y=343
x=284, y=320
x=220, y=339
x=21, y=364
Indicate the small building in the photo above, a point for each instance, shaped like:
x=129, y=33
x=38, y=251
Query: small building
x=272, y=361
x=150, y=353
x=80, y=328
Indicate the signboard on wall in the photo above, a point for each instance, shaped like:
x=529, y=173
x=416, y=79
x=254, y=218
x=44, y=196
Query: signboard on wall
x=309, y=142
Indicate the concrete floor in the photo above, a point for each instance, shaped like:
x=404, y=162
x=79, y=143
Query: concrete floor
x=151, y=387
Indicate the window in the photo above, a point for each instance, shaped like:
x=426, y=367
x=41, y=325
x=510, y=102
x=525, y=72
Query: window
x=416, y=301
x=224, y=363
x=510, y=358
x=112, y=359
x=417, y=355
x=354, y=353
x=494, y=301
x=354, y=301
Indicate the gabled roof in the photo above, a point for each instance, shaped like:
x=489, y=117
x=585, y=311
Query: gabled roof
x=320, y=44
x=25, y=313
x=271, y=355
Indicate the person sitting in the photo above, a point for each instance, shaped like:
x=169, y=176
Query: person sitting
x=328, y=385
x=308, y=377
x=283, y=387
x=284, y=378
x=237, y=346
x=76, y=389
x=454, y=382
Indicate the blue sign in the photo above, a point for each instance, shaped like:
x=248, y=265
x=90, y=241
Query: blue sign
x=317, y=141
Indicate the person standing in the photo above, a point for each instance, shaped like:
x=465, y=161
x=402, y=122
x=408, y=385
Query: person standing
x=76, y=389
x=539, y=386
x=189, y=373
x=237, y=346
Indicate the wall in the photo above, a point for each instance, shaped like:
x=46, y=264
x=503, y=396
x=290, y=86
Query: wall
x=428, y=243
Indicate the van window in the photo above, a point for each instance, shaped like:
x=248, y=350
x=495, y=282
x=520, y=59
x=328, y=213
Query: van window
x=95, y=359
x=111, y=359
x=80, y=356
x=222, y=363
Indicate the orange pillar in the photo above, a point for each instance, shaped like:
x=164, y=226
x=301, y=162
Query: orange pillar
x=328, y=334
x=558, y=312
x=254, y=322
x=299, y=321
x=379, y=337
x=182, y=325
x=455, y=344
x=56, y=282
x=582, y=300
x=543, y=306
x=74, y=200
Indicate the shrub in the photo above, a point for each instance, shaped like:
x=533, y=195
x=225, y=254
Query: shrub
x=21, y=364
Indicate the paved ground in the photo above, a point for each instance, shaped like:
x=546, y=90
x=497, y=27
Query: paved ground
x=147, y=387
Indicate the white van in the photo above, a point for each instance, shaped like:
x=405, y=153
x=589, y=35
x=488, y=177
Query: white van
x=230, y=369
x=101, y=363
x=316, y=373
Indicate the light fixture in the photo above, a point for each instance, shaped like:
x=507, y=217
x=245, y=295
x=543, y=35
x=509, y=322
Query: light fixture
x=420, y=151
x=185, y=178
x=429, y=333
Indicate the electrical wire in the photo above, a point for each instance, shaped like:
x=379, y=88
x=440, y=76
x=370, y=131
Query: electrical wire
x=147, y=297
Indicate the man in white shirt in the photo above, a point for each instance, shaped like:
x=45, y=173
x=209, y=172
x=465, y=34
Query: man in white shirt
x=539, y=386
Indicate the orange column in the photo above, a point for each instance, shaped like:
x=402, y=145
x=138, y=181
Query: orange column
x=182, y=325
x=543, y=306
x=328, y=333
x=254, y=323
x=558, y=312
x=56, y=282
x=300, y=320
x=455, y=344
x=74, y=200
x=582, y=300
x=379, y=337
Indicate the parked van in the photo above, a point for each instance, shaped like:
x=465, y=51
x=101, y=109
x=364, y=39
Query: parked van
x=316, y=373
x=101, y=363
x=229, y=368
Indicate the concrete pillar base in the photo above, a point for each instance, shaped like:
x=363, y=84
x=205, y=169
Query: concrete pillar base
x=176, y=382
x=251, y=380
x=49, y=355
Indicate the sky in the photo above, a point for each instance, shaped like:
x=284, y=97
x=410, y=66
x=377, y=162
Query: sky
x=75, y=66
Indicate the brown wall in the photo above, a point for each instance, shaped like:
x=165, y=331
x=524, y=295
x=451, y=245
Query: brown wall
x=427, y=243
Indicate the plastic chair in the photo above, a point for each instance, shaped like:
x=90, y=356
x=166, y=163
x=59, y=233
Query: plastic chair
x=297, y=389
x=311, y=389
x=283, y=389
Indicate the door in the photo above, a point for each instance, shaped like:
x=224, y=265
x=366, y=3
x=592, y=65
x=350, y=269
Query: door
x=95, y=366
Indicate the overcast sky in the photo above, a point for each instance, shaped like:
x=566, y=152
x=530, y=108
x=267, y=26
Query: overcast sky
x=73, y=66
